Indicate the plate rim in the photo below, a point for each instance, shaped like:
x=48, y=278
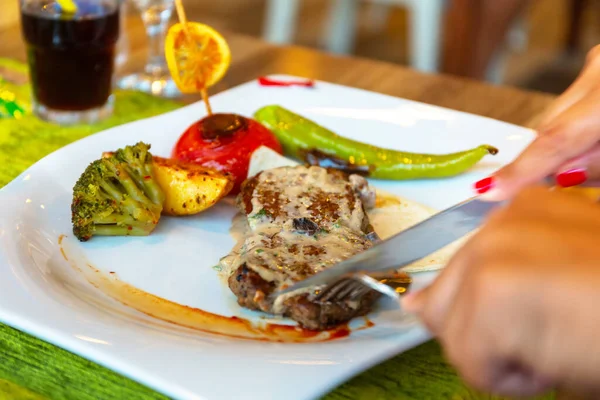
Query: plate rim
x=12, y=319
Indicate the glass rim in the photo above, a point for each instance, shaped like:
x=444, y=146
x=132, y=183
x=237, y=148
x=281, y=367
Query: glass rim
x=58, y=13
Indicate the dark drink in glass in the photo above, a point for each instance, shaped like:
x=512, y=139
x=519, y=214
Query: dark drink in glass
x=71, y=58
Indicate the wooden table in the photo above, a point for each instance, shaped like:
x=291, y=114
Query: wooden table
x=252, y=58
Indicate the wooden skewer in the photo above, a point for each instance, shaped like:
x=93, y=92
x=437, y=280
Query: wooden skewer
x=183, y=20
x=204, y=93
x=181, y=15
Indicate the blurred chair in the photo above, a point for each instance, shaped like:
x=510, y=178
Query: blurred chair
x=425, y=26
x=576, y=18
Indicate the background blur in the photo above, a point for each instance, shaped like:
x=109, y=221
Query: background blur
x=543, y=50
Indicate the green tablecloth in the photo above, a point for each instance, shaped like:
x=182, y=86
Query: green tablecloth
x=32, y=369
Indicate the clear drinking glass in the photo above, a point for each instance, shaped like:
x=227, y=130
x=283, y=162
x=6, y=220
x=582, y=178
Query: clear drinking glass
x=71, y=58
x=155, y=78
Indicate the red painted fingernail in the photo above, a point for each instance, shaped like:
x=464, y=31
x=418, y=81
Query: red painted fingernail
x=484, y=185
x=572, y=177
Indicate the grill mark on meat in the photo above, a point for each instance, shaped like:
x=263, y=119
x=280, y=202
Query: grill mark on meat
x=312, y=250
x=272, y=203
x=325, y=206
x=248, y=187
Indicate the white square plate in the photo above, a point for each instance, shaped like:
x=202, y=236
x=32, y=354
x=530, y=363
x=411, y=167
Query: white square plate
x=43, y=295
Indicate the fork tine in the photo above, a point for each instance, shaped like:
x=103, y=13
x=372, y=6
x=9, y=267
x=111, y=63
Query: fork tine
x=360, y=291
x=354, y=288
x=331, y=290
x=343, y=289
x=380, y=287
x=348, y=290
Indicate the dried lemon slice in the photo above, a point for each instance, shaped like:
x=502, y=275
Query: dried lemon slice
x=197, y=56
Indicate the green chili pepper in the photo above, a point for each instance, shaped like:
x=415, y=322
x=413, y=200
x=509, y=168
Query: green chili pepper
x=301, y=137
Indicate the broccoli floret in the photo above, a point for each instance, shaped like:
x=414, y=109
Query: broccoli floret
x=117, y=196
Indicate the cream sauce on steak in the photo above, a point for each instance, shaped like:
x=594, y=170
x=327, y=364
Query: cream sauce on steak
x=315, y=219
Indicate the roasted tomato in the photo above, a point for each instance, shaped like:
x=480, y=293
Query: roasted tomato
x=224, y=142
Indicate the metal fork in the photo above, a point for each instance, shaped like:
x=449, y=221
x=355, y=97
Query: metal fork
x=355, y=287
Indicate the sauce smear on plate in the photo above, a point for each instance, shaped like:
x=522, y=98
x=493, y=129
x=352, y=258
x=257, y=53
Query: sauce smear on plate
x=205, y=321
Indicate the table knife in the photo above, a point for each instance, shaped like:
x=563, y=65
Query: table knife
x=408, y=246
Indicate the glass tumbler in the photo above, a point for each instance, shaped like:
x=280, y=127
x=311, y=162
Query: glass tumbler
x=71, y=58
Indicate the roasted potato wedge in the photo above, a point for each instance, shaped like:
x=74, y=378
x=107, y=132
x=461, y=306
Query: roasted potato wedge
x=189, y=188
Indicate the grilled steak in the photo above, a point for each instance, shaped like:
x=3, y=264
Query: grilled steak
x=300, y=220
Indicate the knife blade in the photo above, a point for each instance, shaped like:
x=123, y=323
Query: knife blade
x=408, y=246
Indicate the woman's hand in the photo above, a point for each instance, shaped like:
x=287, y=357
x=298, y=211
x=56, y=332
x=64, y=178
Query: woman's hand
x=568, y=144
x=517, y=309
